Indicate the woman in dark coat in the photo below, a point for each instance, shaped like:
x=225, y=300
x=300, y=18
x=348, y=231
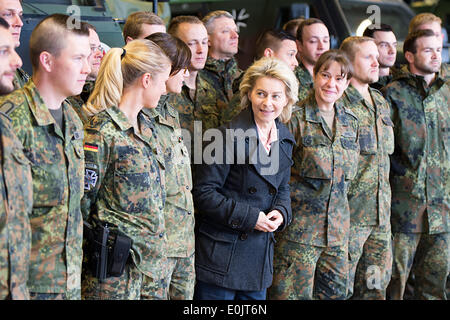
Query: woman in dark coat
x=241, y=190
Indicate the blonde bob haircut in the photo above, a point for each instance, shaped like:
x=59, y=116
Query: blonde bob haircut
x=120, y=68
x=272, y=68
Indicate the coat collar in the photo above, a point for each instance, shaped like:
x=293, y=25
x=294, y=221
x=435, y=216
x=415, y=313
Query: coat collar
x=267, y=166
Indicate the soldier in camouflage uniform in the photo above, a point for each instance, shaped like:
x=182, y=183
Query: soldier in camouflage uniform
x=387, y=48
x=369, y=194
x=195, y=102
x=221, y=69
x=16, y=188
x=124, y=175
x=94, y=62
x=179, y=206
x=313, y=39
x=52, y=134
x=311, y=256
x=420, y=170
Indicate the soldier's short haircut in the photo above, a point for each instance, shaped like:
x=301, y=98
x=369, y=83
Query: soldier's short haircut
x=134, y=22
x=271, y=39
x=50, y=34
x=350, y=45
x=421, y=19
x=410, y=42
x=89, y=26
x=334, y=55
x=177, y=51
x=306, y=23
x=370, y=30
x=292, y=25
x=175, y=23
x=209, y=19
x=4, y=23
x=272, y=68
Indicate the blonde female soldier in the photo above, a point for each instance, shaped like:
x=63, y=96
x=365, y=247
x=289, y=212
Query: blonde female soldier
x=124, y=181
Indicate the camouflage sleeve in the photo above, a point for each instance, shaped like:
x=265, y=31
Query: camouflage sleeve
x=96, y=151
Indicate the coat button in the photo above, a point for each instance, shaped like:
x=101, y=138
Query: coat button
x=234, y=224
x=272, y=191
x=252, y=190
x=243, y=236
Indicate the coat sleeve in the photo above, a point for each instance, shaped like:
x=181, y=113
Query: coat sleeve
x=283, y=200
x=212, y=204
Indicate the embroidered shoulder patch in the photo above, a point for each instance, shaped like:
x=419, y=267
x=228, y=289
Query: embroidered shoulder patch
x=90, y=179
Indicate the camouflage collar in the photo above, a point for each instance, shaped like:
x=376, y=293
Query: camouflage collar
x=43, y=116
x=302, y=73
x=119, y=118
x=355, y=97
x=414, y=79
x=221, y=66
x=38, y=107
x=312, y=112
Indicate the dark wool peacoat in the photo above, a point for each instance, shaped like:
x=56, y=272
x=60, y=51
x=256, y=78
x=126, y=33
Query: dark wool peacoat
x=228, y=197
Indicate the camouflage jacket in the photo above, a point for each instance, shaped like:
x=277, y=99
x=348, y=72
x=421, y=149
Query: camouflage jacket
x=369, y=194
x=323, y=167
x=223, y=77
x=77, y=102
x=20, y=78
x=305, y=82
x=17, y=200
x=57, y=162
x=420, y=165
x=179, y=208
x=124, y=185
x=383, y=81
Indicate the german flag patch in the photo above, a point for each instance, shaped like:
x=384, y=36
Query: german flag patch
x=90, y=147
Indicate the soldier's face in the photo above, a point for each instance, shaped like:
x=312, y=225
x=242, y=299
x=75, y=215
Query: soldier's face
x=427, y=59
x=223, y=40
x=365, y=64
x=70, y=68
x=9, y=61
x=156, y=88
x=315, y=41
x=96, y=55
x=196, y=38
x=11, y=11
x=175, y=82
x=329, y=84
x=387, y=48
x=268, y=98
x=287, y=52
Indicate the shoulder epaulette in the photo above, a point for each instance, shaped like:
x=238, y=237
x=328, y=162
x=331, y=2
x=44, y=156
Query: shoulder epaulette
x=7, y=107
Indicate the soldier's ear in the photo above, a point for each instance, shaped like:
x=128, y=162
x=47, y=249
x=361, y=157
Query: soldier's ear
x=46, y=61
x=409, y=56
x=268, y=52
x=146, y=80
x=129, y=39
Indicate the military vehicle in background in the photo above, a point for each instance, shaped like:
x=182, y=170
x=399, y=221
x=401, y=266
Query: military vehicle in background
x=343, y=17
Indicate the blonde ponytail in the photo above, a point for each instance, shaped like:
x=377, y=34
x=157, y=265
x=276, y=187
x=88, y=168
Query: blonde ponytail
x=117, y=72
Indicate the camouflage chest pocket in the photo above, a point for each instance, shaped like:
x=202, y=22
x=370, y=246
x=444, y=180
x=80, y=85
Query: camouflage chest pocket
x=49, y=175
x=21, y=174
x=132, y=184
x=350, y=152
x=367, y=140
x=77, y=167
x=317, y=158
x=388, y=134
